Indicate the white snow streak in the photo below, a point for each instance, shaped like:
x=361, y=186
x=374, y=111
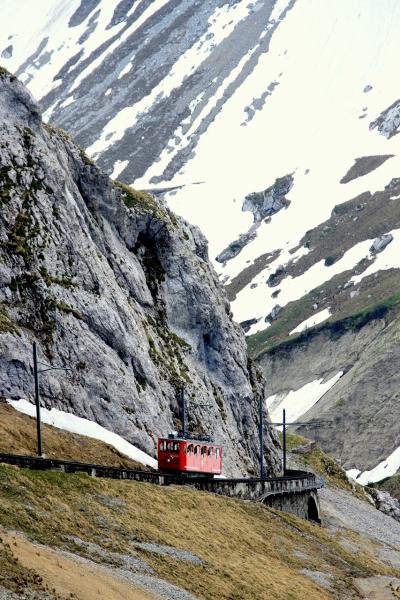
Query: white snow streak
x=74, y=424
x=67, y=102
x=386, y=468
x=312, y=321
x=126, y=69
x=119, y=166
x=297, y=403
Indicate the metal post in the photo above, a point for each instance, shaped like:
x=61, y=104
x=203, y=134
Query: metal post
x=183, y=408
x=261, y=435
x=284, y=441
x=37, y=402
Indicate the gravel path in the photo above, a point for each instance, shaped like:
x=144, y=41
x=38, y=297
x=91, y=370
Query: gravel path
x=341, y=509
x=7, y=595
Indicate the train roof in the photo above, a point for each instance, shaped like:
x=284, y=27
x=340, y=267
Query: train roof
x=189, y=440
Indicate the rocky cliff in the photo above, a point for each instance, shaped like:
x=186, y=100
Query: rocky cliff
x=113, y=285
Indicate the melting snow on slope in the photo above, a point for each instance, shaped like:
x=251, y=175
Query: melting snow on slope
x=309, y=126
x=386, y=468
x=119, y=166
x=297, y=403
x=222, y=23
x=74, y=424
x=249, y=300
x=313, y=320
x=389, y=258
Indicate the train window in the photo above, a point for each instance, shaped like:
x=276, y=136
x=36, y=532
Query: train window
x=197, y=449
x=176, y=447
x=210, y=451
x=170, y=445
x=190, y=449
x=217, y=452
x=162, y=446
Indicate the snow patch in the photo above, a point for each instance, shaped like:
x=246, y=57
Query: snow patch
x=67, y=102
x=259, y=326
x=74, y=424
x=386, y=468
x=298, y=402
x=313, y=320
x=119, y=166
x=126, y=69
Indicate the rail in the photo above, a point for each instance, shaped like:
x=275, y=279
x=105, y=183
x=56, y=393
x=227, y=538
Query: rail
x=246, y=488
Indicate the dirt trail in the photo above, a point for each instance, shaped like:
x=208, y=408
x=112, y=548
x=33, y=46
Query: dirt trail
x=68, y=576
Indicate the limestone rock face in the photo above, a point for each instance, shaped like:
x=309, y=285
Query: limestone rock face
x=263, y=205
x=114, y=286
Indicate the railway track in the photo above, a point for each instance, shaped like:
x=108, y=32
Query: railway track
x=250, y=488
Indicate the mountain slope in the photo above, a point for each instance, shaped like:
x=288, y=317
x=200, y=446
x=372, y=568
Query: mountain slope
x=276, y=136
x=112, y=285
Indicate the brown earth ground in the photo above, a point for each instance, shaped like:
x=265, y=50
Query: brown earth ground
x=67, y=577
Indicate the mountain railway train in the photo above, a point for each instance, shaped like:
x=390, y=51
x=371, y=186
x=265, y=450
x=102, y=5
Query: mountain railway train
x=189, y=456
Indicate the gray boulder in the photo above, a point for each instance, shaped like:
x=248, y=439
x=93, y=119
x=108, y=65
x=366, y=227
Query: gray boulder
x=380, y=243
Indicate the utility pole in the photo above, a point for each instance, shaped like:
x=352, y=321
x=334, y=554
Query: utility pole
x=261, y=435
x=37, y=398
x=284, y=426
x=37, y=402
x=284, y=441
x=183, y=409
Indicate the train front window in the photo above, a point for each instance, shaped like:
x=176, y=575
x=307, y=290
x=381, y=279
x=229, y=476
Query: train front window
x=176, y=447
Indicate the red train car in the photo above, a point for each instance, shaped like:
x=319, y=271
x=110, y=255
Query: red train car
x=189, y=456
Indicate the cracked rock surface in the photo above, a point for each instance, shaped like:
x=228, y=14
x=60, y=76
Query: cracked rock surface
x=111, y=284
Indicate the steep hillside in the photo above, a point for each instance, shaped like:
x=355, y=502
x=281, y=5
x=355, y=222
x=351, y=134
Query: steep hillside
x=176, y=543
x=18, y=436
x=113, y=286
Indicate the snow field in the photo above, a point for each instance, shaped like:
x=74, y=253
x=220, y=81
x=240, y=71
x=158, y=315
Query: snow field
x=222, y=23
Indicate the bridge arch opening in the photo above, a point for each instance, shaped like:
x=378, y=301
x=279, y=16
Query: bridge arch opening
x=312, y=511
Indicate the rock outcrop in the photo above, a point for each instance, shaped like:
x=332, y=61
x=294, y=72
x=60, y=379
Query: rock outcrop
x=262, y=205
x=114, y=286
x=270, y=201
x=388, y=122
